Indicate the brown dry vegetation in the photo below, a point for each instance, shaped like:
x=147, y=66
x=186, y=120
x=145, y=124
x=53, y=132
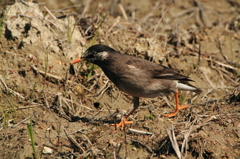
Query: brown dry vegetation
x=70, y=115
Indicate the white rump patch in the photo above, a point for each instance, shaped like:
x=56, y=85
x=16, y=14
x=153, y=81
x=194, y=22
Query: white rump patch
x=182, y=86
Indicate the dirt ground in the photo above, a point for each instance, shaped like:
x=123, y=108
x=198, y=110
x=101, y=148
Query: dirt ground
x=51, y=109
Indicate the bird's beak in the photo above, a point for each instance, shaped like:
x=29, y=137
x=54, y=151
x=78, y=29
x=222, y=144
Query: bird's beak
x=77, y=60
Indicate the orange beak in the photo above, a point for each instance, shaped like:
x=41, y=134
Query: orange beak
x=77, y=60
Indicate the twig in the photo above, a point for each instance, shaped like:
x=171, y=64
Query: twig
x=48, y=74
x=56, y=77
x=140, y=132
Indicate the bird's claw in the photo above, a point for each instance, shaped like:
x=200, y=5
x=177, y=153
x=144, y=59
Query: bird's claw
x=122, y=124
x=176, y=111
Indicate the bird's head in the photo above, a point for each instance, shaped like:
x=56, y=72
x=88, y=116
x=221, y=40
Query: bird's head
x=95, y=54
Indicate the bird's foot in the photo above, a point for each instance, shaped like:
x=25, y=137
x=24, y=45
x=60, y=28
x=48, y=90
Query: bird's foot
x=176, y=111
x=122, y=123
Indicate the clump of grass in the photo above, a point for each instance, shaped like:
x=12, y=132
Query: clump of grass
x=1, y=26
x=30, y=132
x=31, y=97
x=151, y=117
x=93, y=41
x=182, y=98
x=92, y=67
x=70, y=30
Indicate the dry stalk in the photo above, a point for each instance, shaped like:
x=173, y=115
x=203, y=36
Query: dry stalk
x=87, y=4
x=114, y=24
x=4, y=87
x=148, y=148
x=185, y=141
x=61, y=111
x=148, y=15
x=14, y=126
x=119, y=93
x=74, y=141
x=203, y=16
x=208, y=80
x=206, y=94
x=102, y=90
x=140, y=132
x=217, y=61
x=50, y=13
x=76, y=103
x=114, y=3
x=186, y=11
x=24, y=3
x=45, y=100
x=173, y=140
x=160, y=20
x=96, y=81
x=118, y=150
x=123, y=11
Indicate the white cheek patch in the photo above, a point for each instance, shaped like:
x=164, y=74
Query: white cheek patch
x=102, y=55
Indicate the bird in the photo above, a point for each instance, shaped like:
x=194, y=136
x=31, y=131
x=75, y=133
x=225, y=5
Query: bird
x=137, y=77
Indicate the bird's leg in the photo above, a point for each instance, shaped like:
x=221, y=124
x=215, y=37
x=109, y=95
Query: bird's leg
x=178, y=107
x=124, y=120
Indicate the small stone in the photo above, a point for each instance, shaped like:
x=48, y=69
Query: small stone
x=47, y=150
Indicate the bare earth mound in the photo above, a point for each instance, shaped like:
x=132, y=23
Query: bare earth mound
x=50, y=109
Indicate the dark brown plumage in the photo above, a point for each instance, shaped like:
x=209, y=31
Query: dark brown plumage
x=137, y=77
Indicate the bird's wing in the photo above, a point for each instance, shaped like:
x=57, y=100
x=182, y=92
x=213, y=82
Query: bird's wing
x=155, y=70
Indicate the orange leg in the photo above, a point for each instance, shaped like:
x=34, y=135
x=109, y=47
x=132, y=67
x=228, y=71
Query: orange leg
x=124, y=120
x=178, y=107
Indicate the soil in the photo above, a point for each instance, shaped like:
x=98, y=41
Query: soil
x=52, y=109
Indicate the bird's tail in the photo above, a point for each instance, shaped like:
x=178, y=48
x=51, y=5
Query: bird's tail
x=188, y=87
